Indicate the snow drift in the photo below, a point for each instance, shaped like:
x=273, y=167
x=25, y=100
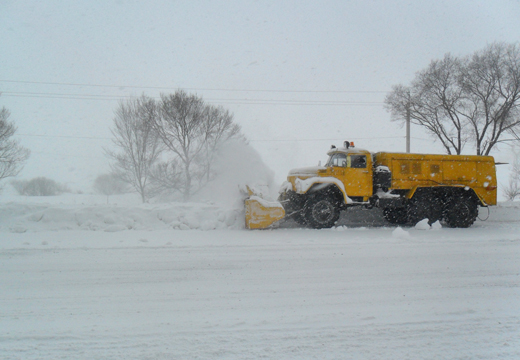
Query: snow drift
x=91, y=213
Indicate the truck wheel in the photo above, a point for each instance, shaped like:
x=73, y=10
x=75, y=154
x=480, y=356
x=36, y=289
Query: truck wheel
x=395, y=215
x=461, y=212
x=293, y=206
x=417, y=210
x=299, y=218
x=424, y=206
x=321, y=212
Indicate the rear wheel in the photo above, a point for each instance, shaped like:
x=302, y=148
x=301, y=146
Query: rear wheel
x=461, y=212
x=396, y=215
x=417, y=210
x=321, y=212
x=425, y=205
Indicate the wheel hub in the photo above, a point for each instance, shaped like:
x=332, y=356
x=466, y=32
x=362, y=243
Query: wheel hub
x=322, y=211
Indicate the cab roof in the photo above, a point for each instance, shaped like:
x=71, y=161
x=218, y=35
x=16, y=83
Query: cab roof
x=350, y=150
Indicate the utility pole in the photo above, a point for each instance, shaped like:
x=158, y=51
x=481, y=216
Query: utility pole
x=408, y=128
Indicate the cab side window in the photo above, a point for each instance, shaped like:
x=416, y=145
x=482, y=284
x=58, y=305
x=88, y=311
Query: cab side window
x=358, y=161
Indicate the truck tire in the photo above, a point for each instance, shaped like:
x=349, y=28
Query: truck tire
x=417, y=210
x=321, y=212
x=425, y=205
x=293, y=206
x=461, y=212
x=396, y=216
x=299, y=218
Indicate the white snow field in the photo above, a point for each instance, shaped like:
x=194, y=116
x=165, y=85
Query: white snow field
x=81, y=280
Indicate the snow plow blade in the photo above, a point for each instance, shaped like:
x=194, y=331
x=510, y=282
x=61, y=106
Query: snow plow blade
x=261, y=213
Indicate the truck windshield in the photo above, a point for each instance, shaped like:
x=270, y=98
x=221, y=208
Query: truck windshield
x=337, y=160
x=351, y=161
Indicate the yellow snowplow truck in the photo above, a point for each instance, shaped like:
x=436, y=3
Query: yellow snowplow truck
x=407, y=187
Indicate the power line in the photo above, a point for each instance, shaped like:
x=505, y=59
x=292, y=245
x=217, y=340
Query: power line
x=61, y=154
x=336, y=139
x=223, y=101
x=64, y=95
x=191, y=89
x=251, y=140
x=418, y=138
x=296, y=102
x=65, y=136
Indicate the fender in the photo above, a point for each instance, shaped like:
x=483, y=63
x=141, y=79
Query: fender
x=317, y=183
x=412, y=191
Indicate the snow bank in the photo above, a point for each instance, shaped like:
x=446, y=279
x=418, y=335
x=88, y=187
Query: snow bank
x=507, y=211
x=19, y=214
x=24, y=217
x=220, y=205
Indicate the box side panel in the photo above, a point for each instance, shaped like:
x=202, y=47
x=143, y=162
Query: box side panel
x=487, y=181
x=410, y=170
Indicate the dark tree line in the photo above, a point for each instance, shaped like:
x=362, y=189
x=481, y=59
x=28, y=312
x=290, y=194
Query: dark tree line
x=168, y=145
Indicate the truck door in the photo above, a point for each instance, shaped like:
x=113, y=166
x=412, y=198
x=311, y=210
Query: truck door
x=337, y=164
x=358, y=176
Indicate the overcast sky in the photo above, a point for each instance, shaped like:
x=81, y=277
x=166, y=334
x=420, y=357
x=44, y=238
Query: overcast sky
x=298, y=75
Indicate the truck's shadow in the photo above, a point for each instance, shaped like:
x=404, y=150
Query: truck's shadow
x=353, y=217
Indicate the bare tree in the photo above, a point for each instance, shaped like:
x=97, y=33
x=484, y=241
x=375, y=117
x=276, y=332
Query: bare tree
x=475, y=99
x=12, y=154
x=167, y=177
x=490, y=80
x=512, y=189
x=109, y=184
x=431, y=102
x=192, y=130
x=138, y=146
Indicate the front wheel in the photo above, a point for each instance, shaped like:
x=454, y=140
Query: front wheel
x=299, y=218
x=321, y=212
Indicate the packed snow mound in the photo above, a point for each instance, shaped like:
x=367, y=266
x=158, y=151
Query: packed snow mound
x=23, y=217
x=423, y=225
x=399, y=233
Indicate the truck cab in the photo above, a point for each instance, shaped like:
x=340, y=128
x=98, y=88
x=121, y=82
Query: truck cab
x=353, y=167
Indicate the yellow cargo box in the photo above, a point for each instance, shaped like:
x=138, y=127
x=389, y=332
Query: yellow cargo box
x=411, y=171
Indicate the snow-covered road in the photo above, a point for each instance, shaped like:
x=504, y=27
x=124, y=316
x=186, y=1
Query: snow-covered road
x=290, y=293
